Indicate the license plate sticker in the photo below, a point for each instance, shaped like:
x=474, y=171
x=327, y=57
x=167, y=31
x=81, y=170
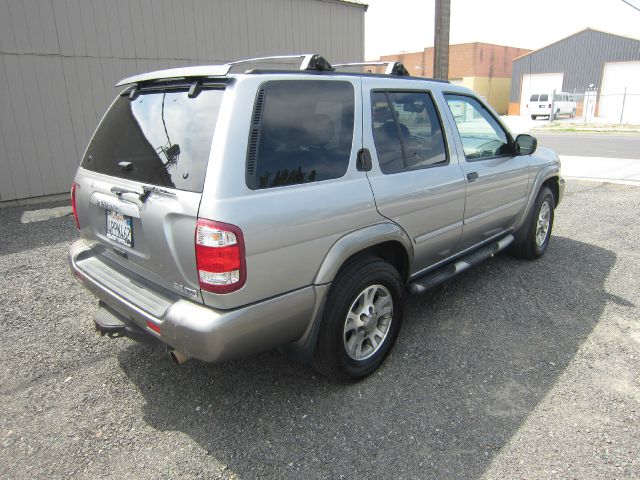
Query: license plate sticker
x=119, y=228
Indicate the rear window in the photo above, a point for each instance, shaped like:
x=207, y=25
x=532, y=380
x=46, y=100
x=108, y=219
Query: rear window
x=160, y=138
x=544, y=98
x=534, y=98
x=302, y=131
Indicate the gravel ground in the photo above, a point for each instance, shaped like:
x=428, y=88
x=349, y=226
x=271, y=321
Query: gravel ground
x=512, y=370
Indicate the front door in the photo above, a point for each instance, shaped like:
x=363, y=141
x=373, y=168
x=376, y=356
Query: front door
x=497, y=180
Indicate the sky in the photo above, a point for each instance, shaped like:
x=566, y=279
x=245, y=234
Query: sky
x=393, y=26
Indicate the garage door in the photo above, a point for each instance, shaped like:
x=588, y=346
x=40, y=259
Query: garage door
x=615, y=78
x=538, y=83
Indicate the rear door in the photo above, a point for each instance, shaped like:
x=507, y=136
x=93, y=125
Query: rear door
x=139, y=186
x=416, y=180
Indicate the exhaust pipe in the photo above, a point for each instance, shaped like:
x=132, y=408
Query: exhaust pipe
x=178, y=358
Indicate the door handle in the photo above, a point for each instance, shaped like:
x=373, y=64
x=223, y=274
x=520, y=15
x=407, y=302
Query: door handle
x=472, y=176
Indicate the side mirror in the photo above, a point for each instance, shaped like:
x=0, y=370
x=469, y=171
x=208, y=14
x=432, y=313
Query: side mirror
x=525, y=144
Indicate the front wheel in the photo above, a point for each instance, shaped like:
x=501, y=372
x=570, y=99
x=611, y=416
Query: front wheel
x=533, y=117
x=361, y=320
x=533, y=237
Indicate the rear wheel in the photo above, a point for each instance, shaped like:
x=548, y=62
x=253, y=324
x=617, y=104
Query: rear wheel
x=533, y=117
x=573, y=113
x=361, y=320
x=533, y=237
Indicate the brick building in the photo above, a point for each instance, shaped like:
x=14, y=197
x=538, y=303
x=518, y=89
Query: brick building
x=482, y=67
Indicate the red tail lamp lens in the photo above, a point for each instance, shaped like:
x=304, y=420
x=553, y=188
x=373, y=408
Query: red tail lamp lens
x=220, y=256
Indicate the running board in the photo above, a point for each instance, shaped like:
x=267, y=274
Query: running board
x=432, y=279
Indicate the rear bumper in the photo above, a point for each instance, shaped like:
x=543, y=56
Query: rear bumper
x=196, y=330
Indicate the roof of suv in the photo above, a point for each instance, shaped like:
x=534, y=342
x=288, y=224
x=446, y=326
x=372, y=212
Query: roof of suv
x=311, y=63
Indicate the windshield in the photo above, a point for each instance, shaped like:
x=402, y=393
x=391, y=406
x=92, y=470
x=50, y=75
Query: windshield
x=158, y=138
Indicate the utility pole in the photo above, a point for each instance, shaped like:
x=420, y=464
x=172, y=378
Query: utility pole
x=441, y=40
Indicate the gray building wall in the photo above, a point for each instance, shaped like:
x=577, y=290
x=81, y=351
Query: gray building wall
x=59, y=60
x=581, y=57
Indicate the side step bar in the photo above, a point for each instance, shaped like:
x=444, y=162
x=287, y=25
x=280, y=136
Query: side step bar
x=432, y=279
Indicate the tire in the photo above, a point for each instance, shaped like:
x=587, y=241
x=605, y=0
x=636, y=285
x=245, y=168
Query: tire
x=533, y=238
x=573, y=113
x=533, y=117
x=367, y=281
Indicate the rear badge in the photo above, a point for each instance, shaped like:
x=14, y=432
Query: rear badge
x=189, y=291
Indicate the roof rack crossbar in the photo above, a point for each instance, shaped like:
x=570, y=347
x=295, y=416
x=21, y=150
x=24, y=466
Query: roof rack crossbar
x=310, y=61
x=393, y=68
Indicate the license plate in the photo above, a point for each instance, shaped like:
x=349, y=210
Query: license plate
x=119, y=228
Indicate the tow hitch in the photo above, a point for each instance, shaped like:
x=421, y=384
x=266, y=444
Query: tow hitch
x=113, y=325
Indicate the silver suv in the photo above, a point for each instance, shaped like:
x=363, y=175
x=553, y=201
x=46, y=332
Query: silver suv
x=224, y=214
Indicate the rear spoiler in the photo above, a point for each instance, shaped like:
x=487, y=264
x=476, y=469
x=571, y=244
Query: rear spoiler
x=310, y=61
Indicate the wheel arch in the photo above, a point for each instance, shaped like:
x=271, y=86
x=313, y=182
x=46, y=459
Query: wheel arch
x=553, y=184
x=384, y=240
x=549, y=173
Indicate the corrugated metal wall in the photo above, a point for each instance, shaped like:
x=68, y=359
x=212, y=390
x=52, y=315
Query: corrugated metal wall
x=580, y=57
x=59, y=60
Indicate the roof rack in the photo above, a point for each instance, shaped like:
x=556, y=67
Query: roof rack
x=310, y=61
x=393, y=68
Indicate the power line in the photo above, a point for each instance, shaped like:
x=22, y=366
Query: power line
x=633, y=4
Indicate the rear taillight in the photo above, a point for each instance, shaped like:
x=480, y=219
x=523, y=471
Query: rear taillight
x=73, y=205
x=549, y=105
x=220, y=256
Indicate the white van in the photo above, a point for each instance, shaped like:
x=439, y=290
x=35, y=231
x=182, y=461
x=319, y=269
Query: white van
x=540, y=104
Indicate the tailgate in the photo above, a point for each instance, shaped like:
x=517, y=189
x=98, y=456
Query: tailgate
x=139, y=186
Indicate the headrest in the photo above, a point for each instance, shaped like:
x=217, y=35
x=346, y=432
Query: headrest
x=317, y=131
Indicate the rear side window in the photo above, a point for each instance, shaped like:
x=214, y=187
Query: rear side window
x=406, y=131
x=534, y=98
x=302, y=131
x=160, y=138
x=544, y=97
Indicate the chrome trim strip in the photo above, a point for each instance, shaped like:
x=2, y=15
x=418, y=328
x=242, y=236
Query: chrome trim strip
x=428, y=236
x=109, y=202
x=482, y=215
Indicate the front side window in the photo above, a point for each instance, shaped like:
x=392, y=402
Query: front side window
x=406, y=131
x=302, y=131
x=481, y=135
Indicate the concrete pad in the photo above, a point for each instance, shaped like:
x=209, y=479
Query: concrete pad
x=45, y=214
x=601, y=169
